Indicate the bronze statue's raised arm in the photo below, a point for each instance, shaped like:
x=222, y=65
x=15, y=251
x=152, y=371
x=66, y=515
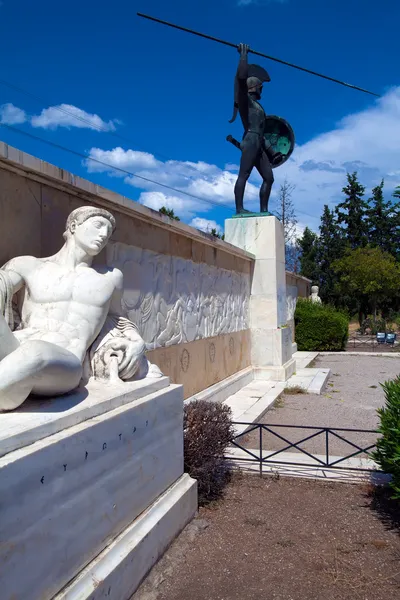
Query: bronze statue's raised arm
x=243, y=68
x=240, y=89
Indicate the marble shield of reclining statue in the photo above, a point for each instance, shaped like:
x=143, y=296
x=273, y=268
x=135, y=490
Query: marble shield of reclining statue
x=71, y=325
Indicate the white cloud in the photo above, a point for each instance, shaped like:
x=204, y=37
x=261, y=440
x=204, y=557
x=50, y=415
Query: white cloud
x=12, y=115
x=129, y=160
x=184, y=208
x=299, y=230
x=205, y=225
x=67, y=115
x=231, y=167
x=197, y=184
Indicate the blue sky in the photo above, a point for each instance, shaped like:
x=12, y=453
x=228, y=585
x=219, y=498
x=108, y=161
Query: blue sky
x=163, y=97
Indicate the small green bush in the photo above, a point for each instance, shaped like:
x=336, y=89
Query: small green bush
x=387, y=453
x=208, y=430
x=320, y=327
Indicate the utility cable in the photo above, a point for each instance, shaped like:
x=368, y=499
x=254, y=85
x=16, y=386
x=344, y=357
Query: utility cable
x=112, y=167
x=114, y=134
x=91, y=125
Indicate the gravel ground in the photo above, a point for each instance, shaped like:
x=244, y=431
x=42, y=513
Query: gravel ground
x=284, y=540
x=350, y=400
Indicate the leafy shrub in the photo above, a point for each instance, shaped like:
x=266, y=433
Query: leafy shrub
x=208, y=431
x=320, y=327
x=387, y=453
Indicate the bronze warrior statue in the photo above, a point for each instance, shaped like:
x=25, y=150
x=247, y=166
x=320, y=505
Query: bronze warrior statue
x=256, y=150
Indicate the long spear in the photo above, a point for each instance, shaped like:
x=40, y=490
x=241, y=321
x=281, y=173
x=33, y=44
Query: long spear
x=283, y=62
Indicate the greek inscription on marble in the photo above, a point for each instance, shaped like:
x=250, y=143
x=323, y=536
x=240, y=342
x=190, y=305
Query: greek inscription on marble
x=211, y=352
x=185, y=360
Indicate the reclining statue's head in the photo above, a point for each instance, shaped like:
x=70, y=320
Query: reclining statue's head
x=91, y=228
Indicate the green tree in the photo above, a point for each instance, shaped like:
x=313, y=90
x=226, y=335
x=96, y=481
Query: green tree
x=287, y=215
x=308, y=245
x=383, y=222
x=369, y=275
x=168, y=212
x=215, y=233
x=352, y=212
x=396, y=193
x=387, y=453
x=286, y=212
x=330, y=248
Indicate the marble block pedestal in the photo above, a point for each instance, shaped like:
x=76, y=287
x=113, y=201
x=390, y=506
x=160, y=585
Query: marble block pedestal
x=271, y=343
x=92, y=492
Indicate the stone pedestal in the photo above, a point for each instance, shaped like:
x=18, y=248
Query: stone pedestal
x=271, y=343
x=92, y=492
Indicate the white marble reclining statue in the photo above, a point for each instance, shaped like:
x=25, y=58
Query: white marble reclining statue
x=71, y=325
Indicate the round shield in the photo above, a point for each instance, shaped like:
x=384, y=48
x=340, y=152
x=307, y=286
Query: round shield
x=280, y=135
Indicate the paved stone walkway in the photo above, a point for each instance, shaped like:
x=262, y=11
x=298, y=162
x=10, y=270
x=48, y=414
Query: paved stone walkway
x=251, y=402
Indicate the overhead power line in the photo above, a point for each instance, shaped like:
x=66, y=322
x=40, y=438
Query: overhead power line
x=91, y=125
x=112, y=167
x=114, y=134
x=278, y=60
x=125, y=171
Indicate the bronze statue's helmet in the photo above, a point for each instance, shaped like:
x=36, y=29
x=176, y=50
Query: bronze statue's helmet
x=253, y=83
x=257, y=76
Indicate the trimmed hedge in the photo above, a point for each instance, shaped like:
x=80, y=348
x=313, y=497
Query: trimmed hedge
x=387, y=453
x=320, y=327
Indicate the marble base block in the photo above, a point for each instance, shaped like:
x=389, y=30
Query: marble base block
x=262, y=236
x=271, y=353
x=271, y=338
x=281, y=373
x=41, y=417
x=95, y=503
x=118, y=571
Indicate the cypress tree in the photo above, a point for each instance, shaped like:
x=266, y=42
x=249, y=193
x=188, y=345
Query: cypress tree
x=331, y=247
x=308, y=244
x=352, y=213
x=383, y=222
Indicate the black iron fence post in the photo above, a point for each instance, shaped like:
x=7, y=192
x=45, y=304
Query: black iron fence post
x=261, y=461
x=327, y=446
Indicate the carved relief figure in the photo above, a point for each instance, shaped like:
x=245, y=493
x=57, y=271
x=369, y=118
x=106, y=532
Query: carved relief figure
x=67, y=306
x=174, y=300
x=291, y=301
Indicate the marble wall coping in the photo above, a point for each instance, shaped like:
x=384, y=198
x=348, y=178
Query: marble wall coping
x=43, y=172
x=296, y=277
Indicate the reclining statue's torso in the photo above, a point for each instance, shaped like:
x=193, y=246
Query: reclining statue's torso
x=64, y=306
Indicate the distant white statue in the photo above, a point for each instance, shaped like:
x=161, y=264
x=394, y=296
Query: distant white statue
x=70, y=323
x=314, y=294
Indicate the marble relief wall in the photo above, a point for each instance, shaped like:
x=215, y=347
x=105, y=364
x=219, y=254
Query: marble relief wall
x=173, y=300
x=291, y=301
x=296, y=287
